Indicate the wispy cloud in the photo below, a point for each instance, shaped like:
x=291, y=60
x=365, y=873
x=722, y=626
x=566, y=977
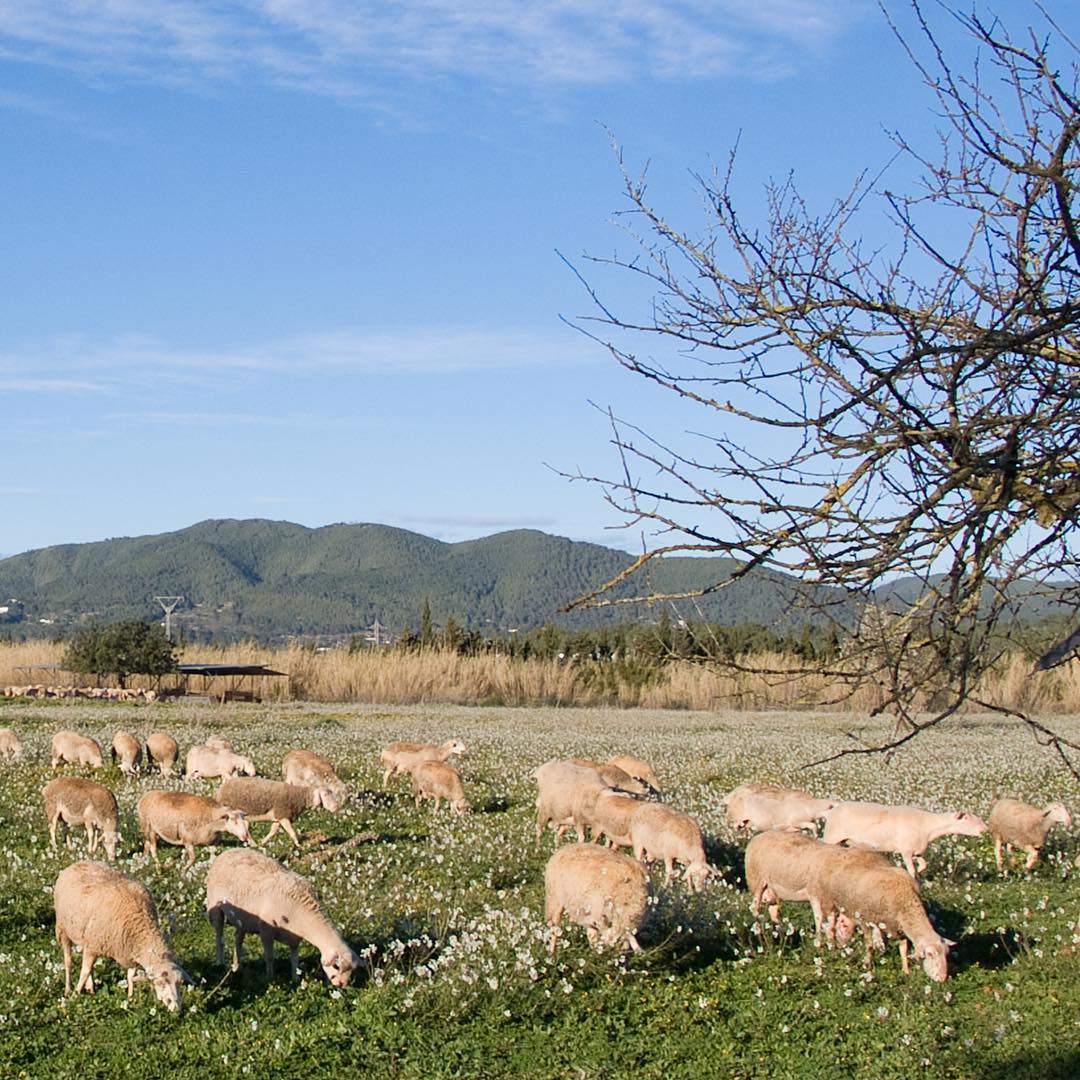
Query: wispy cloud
x=348, y=47
x=51, y=386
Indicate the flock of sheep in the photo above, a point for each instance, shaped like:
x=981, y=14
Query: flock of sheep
x=845, y=875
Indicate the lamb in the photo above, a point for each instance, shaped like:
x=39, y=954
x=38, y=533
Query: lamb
x=163, y=750
x=215, y=761
x=271, y=800
x=74, y=801
x=110, y=914
x=256, y=894
x=1014, y=823
x=304, y=768
x=905, y=830
x=76, y=749
x=638, y=769
x=437, y=780
x=402, y=757
x=599, y=889
x=180, y=818
x=883, y=901
x=127, y=751
x=761, y=807
x=658, y=832
x=567, y=796
x=611, y=817
x=613, y=776
x=10, y=747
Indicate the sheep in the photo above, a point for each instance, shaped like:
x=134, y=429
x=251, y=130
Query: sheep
x=613, y=776
x=271, y=800
x=437, y=780
x=74, y=801
x=611, y=817
x=905, y=830
x=658, y=832
x=215, y=761
x=219, y=742
x=884, y=901
x=163, y=750
x=180, y=818
x=638, y=769
x=567, y=796
x=76, y=749
x=10, y=747
x=1013, y=823
x=110, y=914
x=126, y=750
x=599, y=889
x=761, y=807
x=256, y=894
x=402, y=757
x=306, y=769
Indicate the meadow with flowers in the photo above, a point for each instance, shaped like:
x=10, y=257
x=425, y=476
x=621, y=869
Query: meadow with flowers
x=446, y=911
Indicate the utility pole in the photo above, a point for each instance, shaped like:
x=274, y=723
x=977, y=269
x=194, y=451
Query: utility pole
x=168, y=605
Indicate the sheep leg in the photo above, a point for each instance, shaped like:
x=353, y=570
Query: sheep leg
x=131, y=981
x=632, y=941
x=274, y=826
x=1033, y=856
x=287, y=826
x=238, y=947
x=904, y=956
x=909, y=864
x=217, y=921
x=65, y=945
x=268, y=951
x=189, y=851
x=294, y=961
x=54, y=823
x=149, y=846
x=998, y=853
x=91, y=838
x=86, y=980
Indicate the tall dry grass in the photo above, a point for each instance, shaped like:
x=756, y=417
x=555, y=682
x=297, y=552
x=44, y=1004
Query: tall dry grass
x=430, y=677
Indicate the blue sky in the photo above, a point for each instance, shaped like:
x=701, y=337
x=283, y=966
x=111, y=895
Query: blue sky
x=298, y=259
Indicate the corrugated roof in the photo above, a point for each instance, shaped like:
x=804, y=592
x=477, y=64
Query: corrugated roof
x=226, y=669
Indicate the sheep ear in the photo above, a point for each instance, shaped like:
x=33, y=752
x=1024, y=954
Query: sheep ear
x=185, y=976
x=948, y=943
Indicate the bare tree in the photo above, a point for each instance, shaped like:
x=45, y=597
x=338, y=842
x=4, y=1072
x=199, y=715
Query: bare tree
x=896, y=427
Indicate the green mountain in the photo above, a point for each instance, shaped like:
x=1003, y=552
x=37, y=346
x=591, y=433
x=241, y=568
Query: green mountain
x=273, y=580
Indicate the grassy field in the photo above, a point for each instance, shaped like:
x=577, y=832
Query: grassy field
x=447, y=913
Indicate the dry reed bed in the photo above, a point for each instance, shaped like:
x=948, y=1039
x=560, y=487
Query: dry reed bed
x=428, y=677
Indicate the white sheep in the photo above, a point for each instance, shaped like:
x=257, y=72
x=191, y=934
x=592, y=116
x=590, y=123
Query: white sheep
x=107, y=913
x=610, y=817
x=905, y=830
x=567, y=795
x=272, y=800
x=10, y=747
x=437, y=780
x=178, y=817
x=76, y=749
x=205, y=761
x=1013, y=823
x=599, y=889
x=613, y=776
x=658, y=832
x=761, y=807
x=400, y=758
x=70, y=800
x=162, y=750
x=639, y=769
x=884, y=901
x=257, y=895
x=127, y=752
x=306, y=769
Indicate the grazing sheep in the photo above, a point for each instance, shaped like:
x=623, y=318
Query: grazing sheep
x=306, y=769
x=437, y=780
x=219, y=742
x=905, y=830
x=73, y=801
x=599, y=889
x=567, y=796
x=163, y=750
x=611, y=817
x=1013, y=823
x=127, y=751
x=257, y=895
x=613, y=776
x=109, y=914
x=180, y=818
x=76, y=749
x=658, y=832
x=274, y=801
x=400, y=758
x=884, y=901
x=761, y=807
x=638, y=769
x=10, y=747
x=215, y=761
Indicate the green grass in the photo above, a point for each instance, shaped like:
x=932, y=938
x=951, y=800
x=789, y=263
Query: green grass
x=447, y=912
